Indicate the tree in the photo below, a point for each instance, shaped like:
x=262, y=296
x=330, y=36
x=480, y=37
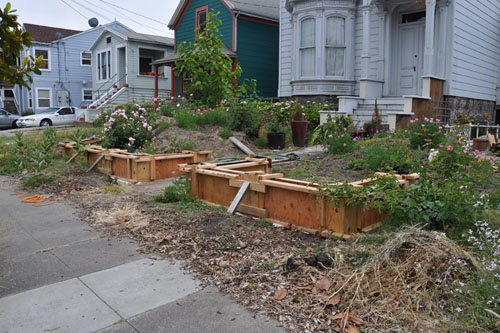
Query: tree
x=13, y=39
x=211, y=72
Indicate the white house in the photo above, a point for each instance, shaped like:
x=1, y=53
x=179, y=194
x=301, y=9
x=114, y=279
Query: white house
x=410, y=55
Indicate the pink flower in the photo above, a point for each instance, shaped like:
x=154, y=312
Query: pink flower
x=330, y=136
x=441, y=146
x=423, y=125
x=173, y=172
x=150, y=128
x=385, y=148
x=189, y=179
x=450, y=148
x=466, y=152
x=345, y=144
x=145, y=125
x=345, y=129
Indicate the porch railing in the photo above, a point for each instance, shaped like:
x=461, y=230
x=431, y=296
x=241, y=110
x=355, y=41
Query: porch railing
x=473, y=131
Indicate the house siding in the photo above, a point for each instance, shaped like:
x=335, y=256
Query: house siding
x=185, y=29
x=66, y=71
x=475, y=49
x=285, y=45
x=258, y=55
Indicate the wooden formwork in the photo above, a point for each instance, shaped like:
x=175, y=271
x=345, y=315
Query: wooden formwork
x=135, y=167
x=293, y=203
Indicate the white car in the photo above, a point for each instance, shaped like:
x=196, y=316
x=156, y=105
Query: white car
x=65, y=115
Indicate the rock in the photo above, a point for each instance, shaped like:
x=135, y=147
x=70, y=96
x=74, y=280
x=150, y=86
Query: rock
x=324, y=259
x=291, y=264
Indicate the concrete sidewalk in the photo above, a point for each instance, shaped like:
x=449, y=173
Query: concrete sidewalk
x=59, y=275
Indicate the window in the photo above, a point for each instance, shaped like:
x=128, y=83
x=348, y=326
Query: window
x=103, y=65
x=66, y=111
x=87, y=94
x=45, y=53
x=335, y=46
x=3, y=113
x=308, y=47
x=86, y=59
x=201, y=19
x=8, y=93
x=43, y=98
x=108, y=40
x=30, y=99
x=145, y=65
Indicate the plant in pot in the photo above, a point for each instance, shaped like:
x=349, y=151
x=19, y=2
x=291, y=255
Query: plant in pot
x=276, y=135
x=299, y=124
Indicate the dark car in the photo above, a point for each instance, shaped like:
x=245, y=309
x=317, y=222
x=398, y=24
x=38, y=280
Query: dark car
x=7, y=119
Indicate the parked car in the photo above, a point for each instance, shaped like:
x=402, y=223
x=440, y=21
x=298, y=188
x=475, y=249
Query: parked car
x=7, y=119
x=65, y=115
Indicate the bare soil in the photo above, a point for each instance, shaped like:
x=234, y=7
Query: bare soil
x=205, y=138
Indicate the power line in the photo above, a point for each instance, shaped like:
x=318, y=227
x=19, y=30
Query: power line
x=74, y=9
x=127, y=10
x=92, y=11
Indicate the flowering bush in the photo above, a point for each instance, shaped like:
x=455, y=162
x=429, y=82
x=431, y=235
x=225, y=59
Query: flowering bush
x=391, y=153
x=128, y=128
x=180, y=190
x=425, y=133
x=335, y=135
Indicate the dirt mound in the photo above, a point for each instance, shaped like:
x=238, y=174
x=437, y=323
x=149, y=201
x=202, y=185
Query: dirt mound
x=205, y=138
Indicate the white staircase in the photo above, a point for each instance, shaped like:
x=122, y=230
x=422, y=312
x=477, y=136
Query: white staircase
x=106, y=97
x=365, y=109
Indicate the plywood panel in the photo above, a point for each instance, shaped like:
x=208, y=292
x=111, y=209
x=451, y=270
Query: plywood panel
x=119, y=167
x=215, y=190
x=291, y=206
x=165, y=168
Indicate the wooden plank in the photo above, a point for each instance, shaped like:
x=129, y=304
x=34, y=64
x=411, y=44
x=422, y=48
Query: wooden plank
x=216, y=174
x=253, y=211
x=253, y=186
x=75, y=155
x=237, y=199
x=99, y=159
x=271, y=176
x=288, y=186
x=241, y=146
x=172, y=157
x=371, y=227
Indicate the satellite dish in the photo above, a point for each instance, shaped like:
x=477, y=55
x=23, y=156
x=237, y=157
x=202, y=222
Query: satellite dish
x=93, y=22
x=59, y=35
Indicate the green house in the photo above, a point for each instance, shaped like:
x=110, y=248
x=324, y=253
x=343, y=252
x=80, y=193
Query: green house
x=249, y=31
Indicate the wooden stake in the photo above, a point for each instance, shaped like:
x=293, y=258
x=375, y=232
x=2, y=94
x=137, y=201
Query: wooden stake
x=72, y=158
x=95, y=163
x=241, y=146
x=239, y=196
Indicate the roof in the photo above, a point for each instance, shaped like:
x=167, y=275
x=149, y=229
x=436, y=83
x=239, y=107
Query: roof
x=45, y=34
x=135, y=36
x=264, y=9
x=173, y=58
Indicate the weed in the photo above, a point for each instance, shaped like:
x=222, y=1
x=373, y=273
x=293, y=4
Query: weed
x=225, y=133
x=267, y=266
x=299, y=173
x=178, y=145
x=261, y=143
x=113, y=189
x=180, y=190
x=39, y=179
x=163, y=125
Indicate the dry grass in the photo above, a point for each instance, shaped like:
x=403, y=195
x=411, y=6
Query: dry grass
x=122, y=215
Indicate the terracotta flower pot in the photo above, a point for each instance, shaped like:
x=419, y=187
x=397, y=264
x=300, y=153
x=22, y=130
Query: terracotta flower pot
x=299, y=132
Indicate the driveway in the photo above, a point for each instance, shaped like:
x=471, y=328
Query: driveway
x=59, y=275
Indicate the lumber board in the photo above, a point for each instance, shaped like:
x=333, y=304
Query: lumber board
x=371, y=227
x=271, y=176
x=99, y=159
x=216, y=174
x=173, y=157
x=253, y=186
x=75, y=155
x=241, y=146
x=253, y=211
x=289, y=186
x=242, y=165
x=239, y=196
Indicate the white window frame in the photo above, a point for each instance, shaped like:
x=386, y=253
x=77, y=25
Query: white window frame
x=299, y=47
x=83, y=94
x=110, y=65
x=48, y=69
x=81, y=59
x=50, y=98
x=345, y=46
x=139, y=64
x=30, y=98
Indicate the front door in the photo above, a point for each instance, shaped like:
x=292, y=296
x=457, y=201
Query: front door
x=411, y=56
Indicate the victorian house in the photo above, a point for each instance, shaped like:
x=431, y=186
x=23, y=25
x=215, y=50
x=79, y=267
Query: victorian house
x=408, y=55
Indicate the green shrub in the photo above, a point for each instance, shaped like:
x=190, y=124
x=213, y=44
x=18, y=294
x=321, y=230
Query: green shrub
x=335, y=135
x=390, y=153
x=426, y=133
x=225, y=133
x=39, y=179
x=163, y=125
x=178, y=145
x=186, y=119
x=130, y=127
x=248, y=116
x=180, y=190
x=261, y=143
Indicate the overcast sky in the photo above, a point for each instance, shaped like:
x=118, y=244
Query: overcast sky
x=58, y=13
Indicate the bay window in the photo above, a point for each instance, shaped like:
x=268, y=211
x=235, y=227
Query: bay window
x=308, y=47
x=335, y=46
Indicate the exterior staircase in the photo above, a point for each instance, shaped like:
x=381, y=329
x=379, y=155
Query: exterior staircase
x=365, y=109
